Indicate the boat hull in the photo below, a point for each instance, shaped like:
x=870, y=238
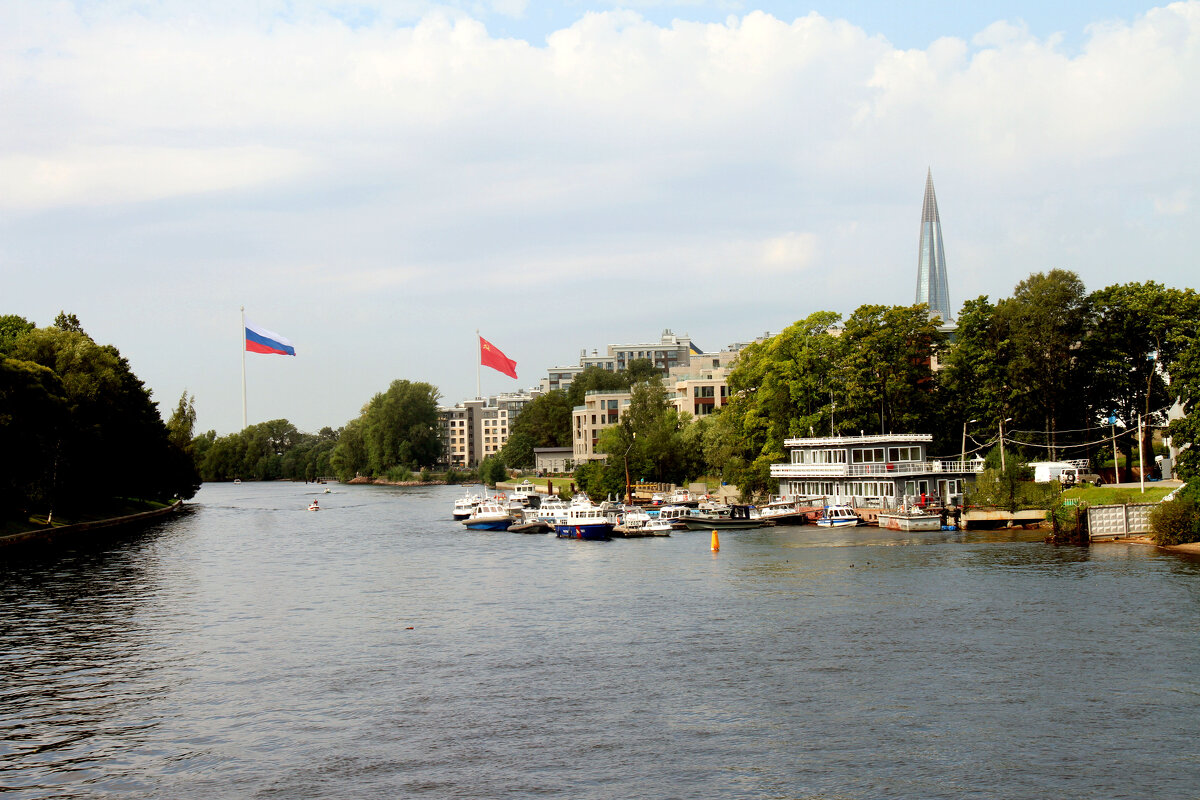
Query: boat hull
x=702, y=524
x=838, y=523
x=489, y=525
x=598, y=532
x=911, y=522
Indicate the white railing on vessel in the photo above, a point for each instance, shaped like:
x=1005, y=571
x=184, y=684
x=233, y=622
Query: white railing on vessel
x=873, y=470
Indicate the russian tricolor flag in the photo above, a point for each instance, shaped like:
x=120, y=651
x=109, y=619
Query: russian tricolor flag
x=261, y=340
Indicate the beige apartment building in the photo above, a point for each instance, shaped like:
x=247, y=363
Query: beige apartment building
x=601, y=409
x=476, y=429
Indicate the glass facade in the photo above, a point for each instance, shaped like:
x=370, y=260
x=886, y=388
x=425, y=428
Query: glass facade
x=932, y=285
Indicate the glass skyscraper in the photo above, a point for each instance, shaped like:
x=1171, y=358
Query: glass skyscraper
x=932, y=288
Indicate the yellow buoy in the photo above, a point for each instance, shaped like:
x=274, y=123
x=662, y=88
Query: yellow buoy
x=716, y=542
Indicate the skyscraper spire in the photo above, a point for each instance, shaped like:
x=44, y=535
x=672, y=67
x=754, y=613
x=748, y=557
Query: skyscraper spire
x=932, y=287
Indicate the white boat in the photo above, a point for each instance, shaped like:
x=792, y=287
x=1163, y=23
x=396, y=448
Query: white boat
x=673, y=515
x=464, y=505
x=584, y=521
x=840, y=516
x=784, y=511
x=550, y=511
x=910, y=519
x=636, y=522
x=523, y=491
x=489, y=516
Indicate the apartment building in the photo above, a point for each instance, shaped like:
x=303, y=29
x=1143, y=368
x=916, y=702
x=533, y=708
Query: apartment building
x=476, y=429
x=601, y=409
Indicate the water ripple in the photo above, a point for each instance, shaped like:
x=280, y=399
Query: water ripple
x=251, y=649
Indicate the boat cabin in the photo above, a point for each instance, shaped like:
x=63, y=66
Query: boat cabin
x=882, y=471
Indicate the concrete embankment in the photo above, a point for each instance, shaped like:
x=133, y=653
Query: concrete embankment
x=66, y=532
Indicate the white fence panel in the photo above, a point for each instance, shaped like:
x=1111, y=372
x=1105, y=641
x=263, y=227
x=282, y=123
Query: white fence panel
x=1111, y=522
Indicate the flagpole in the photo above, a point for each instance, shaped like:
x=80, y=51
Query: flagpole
x=478, y=367
x=243, y=368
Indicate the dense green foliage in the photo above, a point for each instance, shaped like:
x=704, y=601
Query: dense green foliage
x=544, y=422
x=1177, y=521
x=651, y=438
x=266, y=451
x=77, y=426
x=397, y=428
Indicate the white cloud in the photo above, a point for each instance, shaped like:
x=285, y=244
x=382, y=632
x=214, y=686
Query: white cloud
x=401, y=151
x=791, y=253
x=1177, y=203
x=105, y=175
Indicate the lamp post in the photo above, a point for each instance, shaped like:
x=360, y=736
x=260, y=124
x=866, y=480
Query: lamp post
x=963, y=458
x=1003, y=468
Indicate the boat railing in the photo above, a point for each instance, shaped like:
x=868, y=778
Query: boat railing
x=881, y=470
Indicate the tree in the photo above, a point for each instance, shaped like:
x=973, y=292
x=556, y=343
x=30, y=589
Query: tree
x=12, y=328
x=593, y=378
x=1045, y=321
x=110, y=425
x=887, y=368
x=780, y=388
x=68, y=322
x=973, y=382
x=396, y=429
x=640, y=370
x=544, y=422
x=182, y=422
x=33, y=414
x=1129, y=348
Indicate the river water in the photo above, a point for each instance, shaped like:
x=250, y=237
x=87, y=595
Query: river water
x=377, y=650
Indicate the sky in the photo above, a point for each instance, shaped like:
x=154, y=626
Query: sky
x=378, y=181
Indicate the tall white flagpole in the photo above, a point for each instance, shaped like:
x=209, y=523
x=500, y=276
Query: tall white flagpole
x=243, y=368
x=478, y=367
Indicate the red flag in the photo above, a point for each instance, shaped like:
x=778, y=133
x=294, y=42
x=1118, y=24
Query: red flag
x=490, y=356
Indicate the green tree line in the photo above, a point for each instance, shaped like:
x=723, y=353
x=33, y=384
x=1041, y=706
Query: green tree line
x=396, y=433
x=77, y=426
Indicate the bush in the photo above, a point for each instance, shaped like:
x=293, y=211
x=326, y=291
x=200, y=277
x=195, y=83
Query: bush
x=399, y=474
x=1176, y=522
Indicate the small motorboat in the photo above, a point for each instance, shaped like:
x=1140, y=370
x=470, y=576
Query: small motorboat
x=839, y=516
x=314, y=506
x=489, y=516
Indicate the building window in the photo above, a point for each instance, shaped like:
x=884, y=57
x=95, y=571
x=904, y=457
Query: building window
x=866, y=455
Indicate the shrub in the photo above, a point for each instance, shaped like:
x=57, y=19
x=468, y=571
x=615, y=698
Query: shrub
x=399, y=474
x=1176, y=522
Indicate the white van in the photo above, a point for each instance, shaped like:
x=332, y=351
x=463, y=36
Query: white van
x=1061, y=471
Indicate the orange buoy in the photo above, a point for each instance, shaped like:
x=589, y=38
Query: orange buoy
x=716, y=542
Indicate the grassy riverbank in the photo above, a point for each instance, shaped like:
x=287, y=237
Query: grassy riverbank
x=117, y=507
x=1116, y=495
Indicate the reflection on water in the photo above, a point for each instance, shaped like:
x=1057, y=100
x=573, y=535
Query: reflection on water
x=376, y=649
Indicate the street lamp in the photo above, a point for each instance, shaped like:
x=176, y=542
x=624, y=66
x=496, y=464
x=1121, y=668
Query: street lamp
x=963, y=458
x=1003, y=468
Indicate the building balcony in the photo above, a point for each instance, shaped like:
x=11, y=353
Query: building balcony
x=875, y=470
